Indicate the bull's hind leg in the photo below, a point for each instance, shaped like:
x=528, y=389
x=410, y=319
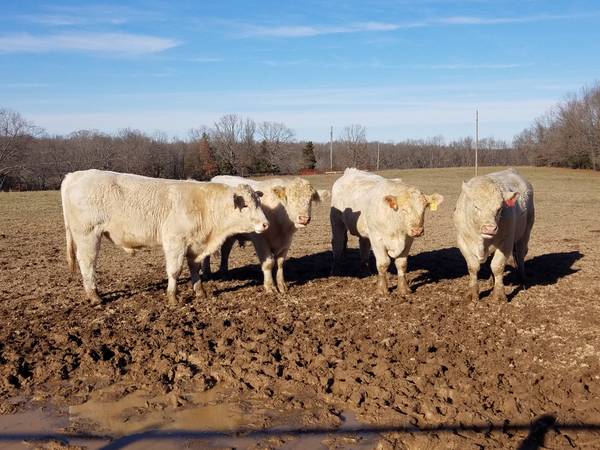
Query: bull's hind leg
x=520, y=251
x=365, y=251
x=206, y=266
x=339, y=238
x=88, y=246
x=195, y=275
x=225, y=251
x=174, y=253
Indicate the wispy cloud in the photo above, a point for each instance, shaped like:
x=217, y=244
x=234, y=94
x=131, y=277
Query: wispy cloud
x=315, y=30
x=297, y=31
x=120, y=43
x=57, y=20
x=475, y=20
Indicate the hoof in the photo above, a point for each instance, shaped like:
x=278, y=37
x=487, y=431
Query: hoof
x=201, y=292
x=498, y=294
x=221, y=274
x=403, y=289
x=94, y=298
x=270, y=290
x=172, y=299
x=383, y=291
x=472, y=294
x=403, y=292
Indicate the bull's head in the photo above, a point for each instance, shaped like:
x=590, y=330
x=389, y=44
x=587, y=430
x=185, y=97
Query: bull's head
x=246, y=203
x=411, y=205
x=484, y=205
x=297, y=198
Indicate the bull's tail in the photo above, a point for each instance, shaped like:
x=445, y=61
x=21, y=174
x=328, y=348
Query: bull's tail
x=70, y=244
x=70, y=250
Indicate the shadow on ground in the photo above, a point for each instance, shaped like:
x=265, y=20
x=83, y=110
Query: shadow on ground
x=435, y=265
x=536, y=438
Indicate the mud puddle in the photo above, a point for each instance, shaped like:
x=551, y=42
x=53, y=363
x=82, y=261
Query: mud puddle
x=43, y=428
x=141, y=420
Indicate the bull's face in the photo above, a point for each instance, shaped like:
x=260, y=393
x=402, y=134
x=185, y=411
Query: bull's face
x=484, y=204
x=411, y=205
x=247, y=205
x=297, y=197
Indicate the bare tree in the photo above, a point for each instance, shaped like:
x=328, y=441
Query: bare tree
x=233, y=139
x=15, y=134
x=274, y=137
x=567, y=135
x=354, y=138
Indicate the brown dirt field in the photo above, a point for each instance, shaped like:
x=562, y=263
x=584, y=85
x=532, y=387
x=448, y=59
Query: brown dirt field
x=436, y=371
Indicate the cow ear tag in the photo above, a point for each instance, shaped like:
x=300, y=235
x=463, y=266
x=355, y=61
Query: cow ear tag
x=511, y=202
x=433, y=206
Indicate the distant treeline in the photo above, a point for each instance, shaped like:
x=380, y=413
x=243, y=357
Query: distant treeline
x=30, y=159
x=568, y=135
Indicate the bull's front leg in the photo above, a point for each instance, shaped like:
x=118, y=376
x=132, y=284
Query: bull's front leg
x=267, y=260
x=401, y=266
x=267, y=268
x=174, y=254
x=281, y=284
x=473, y=265
x=497, y=266
x=88, y=246
x=383, y=262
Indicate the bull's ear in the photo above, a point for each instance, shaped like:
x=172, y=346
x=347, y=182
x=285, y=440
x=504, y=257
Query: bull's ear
x=238, y=201
x=510, y=198
x=465, y=187
x=391, y=202
x=434, y=200
x=259, y=193
x=279, y=191
x=321, y=195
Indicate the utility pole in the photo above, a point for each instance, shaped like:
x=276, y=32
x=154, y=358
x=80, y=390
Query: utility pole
x=476, y=138
x=377, y=155
x=331, y=149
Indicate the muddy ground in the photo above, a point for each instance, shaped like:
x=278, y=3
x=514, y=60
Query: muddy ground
x=433, y=370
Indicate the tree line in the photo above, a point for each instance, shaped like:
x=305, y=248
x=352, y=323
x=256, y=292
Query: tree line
x=568, y=135
x=31, y=159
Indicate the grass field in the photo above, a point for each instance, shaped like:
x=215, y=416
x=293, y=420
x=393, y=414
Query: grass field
x=327, y=350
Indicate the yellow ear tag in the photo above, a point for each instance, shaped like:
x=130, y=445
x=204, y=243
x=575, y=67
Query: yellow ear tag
x=433, y=206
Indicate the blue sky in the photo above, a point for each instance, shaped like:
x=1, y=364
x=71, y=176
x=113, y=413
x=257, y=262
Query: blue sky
x=404, y=69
